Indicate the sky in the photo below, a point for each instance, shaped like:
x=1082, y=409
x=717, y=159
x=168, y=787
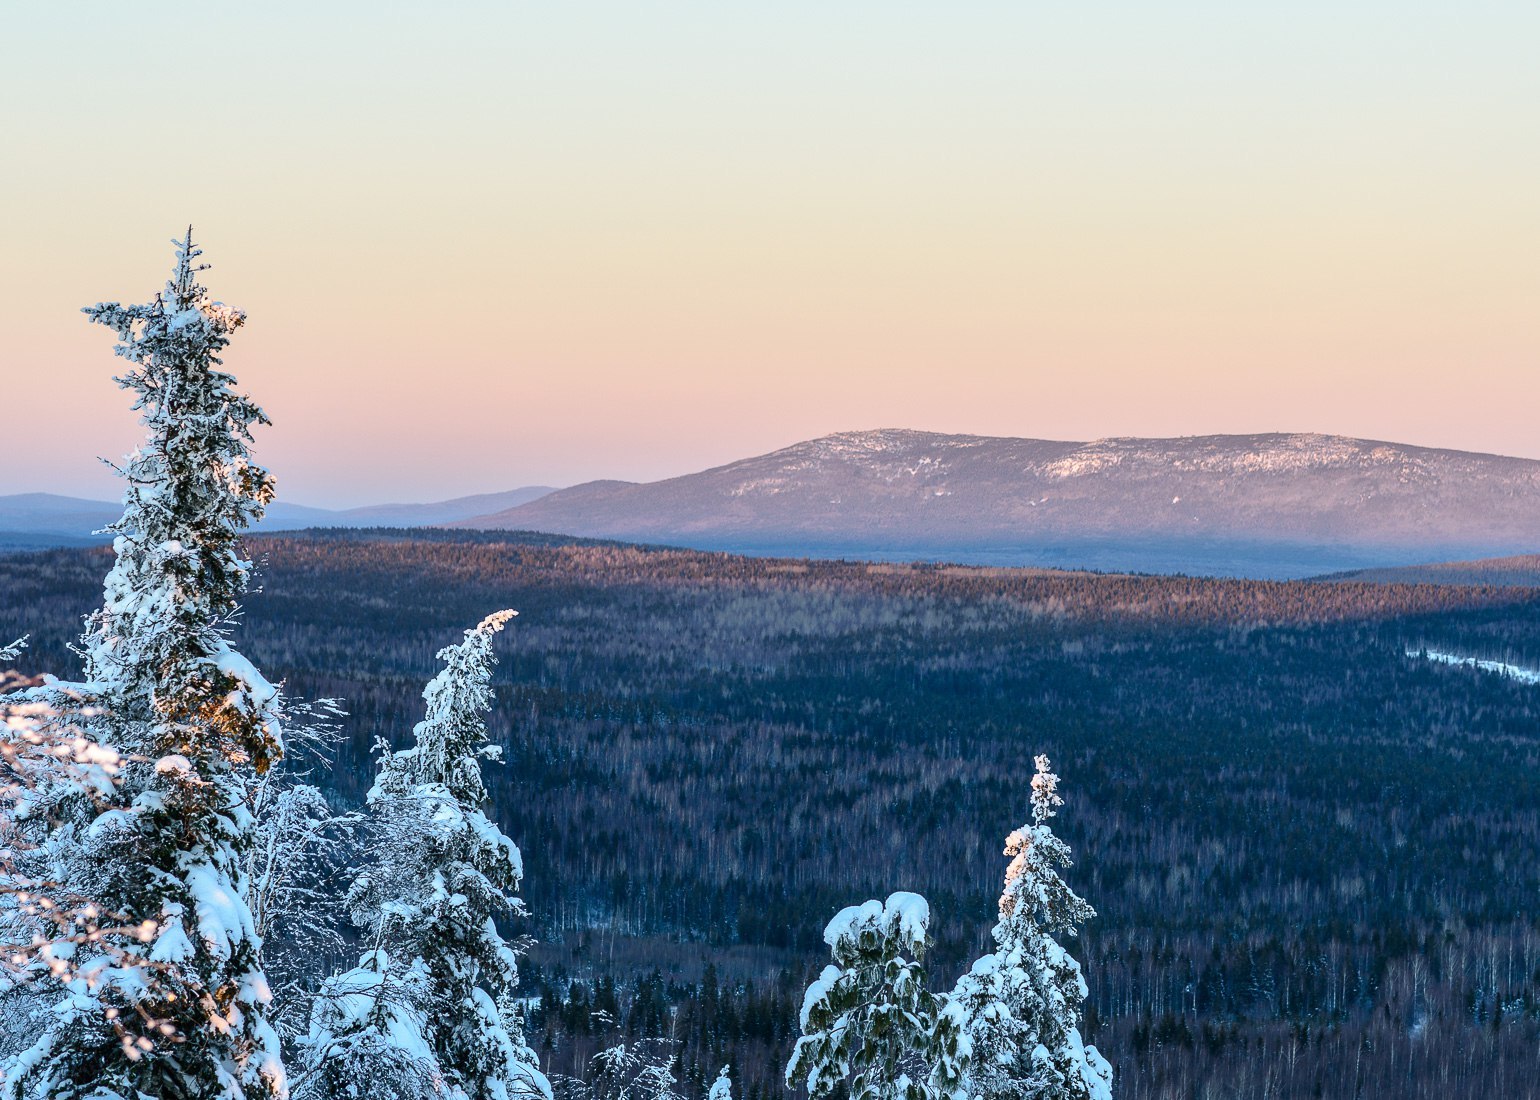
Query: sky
x=484, y=245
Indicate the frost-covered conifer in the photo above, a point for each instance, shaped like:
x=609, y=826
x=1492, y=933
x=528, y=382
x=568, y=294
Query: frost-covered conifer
x=722, y=1087
x=427, y=994
x=368, y=1036
x=195, y=724
x=298, y=849
x=1021, y=1003
x=870, y=1018
x=643, y=1070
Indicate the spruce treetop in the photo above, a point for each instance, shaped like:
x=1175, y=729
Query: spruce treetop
x=1045, y=791
x=453, y=736
x=157, y=643
x=1035, y=896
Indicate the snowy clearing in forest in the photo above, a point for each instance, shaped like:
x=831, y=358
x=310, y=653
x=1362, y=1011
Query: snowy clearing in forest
x=1517, y=672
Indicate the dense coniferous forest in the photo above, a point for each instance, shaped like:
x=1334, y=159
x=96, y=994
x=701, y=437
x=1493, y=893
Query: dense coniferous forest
x=1311, y=851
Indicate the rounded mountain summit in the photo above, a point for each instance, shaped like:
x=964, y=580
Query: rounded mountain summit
x=1260, y=505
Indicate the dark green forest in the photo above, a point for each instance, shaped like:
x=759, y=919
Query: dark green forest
x=1312, y=854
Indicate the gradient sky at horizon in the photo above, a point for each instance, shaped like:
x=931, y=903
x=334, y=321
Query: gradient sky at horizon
x=488, y=245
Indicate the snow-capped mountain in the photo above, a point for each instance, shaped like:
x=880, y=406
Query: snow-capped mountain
x=1274, y=504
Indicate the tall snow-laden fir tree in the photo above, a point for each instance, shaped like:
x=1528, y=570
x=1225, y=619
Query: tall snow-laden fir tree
x=195, y=723
x=1021, y=1003
x=434, y=995
x=869, y=1016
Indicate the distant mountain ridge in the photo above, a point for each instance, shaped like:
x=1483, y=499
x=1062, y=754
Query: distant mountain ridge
x=1274, y=504
x=36, y=520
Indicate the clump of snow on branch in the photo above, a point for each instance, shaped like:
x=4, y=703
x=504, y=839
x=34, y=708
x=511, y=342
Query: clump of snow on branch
x=868, y=1019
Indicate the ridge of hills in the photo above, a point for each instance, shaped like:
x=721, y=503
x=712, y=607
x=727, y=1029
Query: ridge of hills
x=1267, y=506
x=1279, y=505
x=41, y=520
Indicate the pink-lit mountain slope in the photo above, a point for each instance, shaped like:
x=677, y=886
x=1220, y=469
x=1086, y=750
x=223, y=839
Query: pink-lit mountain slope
x=1264, y=504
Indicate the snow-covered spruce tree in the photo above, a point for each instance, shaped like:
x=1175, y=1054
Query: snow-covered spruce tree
x=368, y=1037
x=1021, y=1003
x=195, y=723
x=870, y=1018
x=426, y=996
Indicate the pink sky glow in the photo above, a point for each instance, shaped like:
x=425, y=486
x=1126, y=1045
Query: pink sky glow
x=502, y=247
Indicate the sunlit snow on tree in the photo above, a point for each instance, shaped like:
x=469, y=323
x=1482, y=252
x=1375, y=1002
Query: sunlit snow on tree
x=49, y=935
x=1021, y=1002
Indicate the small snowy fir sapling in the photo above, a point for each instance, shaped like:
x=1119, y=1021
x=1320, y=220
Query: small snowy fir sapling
x=722, y=1087
x=642, y=1070
x=195, y=724
x=298, y=848
x=427, y=994
x=869, y=1018
x=1021, y=1003
x=297, y=857
x=368, y=1036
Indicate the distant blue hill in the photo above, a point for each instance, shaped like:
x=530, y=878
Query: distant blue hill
x=35, y=521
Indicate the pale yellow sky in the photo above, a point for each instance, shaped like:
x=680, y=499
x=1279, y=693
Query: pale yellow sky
x=487, y=245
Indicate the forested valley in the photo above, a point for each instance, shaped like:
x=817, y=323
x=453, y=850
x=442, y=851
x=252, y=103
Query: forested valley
x=1311, y=852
